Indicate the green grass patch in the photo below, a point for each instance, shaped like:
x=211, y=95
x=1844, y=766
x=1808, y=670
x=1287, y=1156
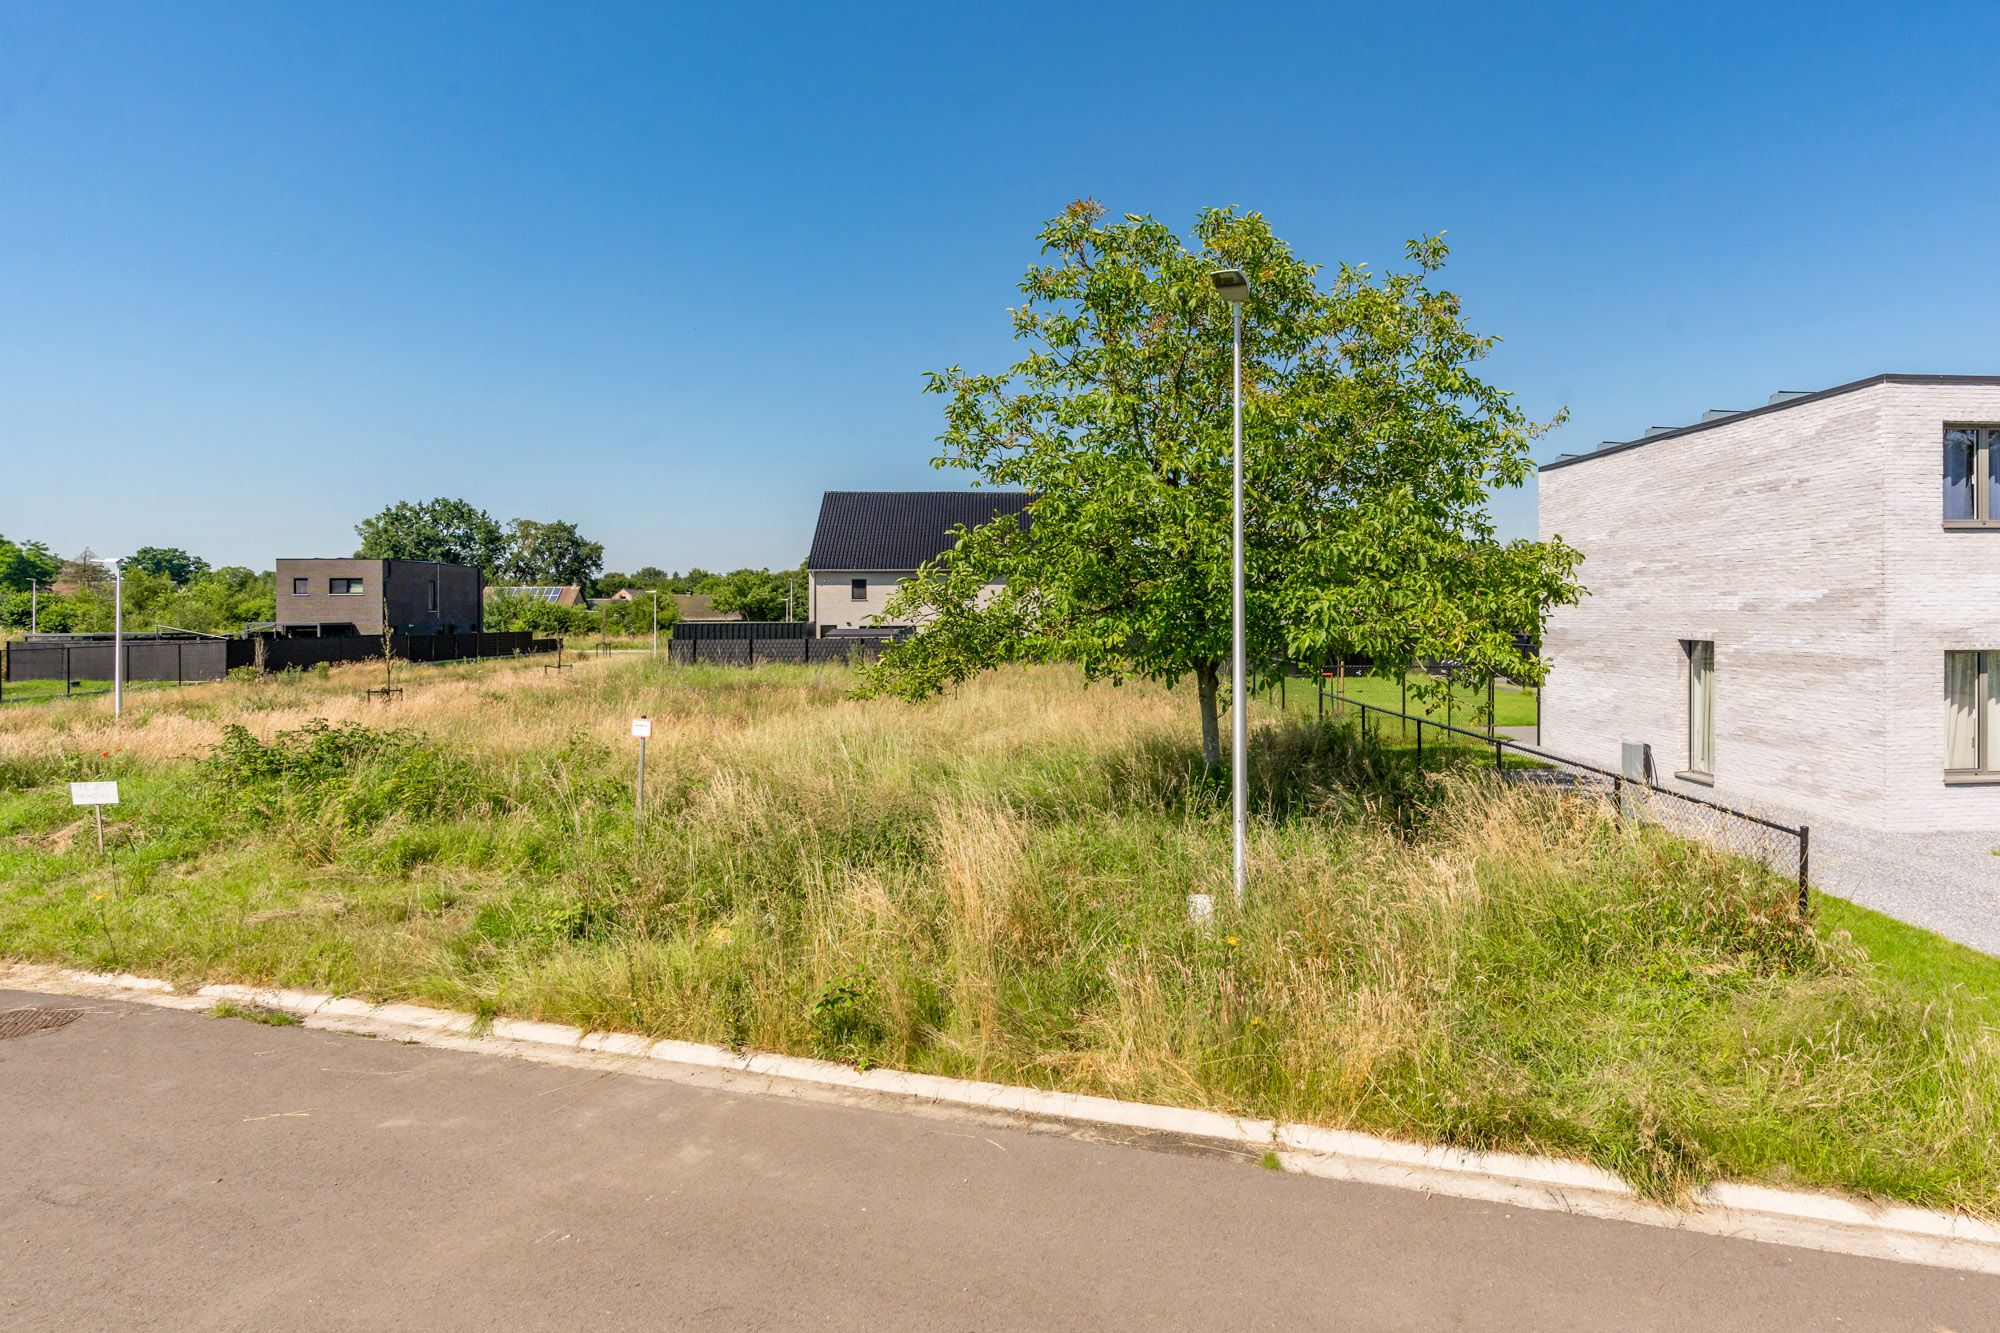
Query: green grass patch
x=254, y=1013
x=1513, y=705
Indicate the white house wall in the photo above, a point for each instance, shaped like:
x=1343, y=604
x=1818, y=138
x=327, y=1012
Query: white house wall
x=1807, y=544
x=1943, y=593
x=833, y=603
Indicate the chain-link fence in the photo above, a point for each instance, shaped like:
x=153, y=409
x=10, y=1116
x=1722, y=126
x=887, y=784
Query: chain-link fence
x=1781, y=848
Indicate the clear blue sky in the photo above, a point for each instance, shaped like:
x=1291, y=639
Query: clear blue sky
x=670, y=271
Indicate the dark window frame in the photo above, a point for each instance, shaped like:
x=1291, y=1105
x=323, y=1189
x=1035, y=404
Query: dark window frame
x=302, y=585
x=354, y=588
x=1985, y=458
x=857, y=590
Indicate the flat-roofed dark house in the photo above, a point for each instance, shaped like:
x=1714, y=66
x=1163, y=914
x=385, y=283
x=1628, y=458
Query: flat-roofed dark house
x=867, y=542
x=369, y=596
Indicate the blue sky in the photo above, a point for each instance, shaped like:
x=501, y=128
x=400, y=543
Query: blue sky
x=670, y=271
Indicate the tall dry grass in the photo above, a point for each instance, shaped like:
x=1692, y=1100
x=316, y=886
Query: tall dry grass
x=995, y=885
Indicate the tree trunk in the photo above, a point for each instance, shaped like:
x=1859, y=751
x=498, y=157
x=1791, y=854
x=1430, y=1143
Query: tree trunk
x=1207, y=684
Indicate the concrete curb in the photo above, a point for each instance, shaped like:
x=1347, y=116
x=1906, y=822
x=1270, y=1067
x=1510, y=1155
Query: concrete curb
x=1745, y=1212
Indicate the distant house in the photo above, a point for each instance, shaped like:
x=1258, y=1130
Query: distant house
x=697, y=606
x=868, y=542
x=568, y=594
x=369, y=596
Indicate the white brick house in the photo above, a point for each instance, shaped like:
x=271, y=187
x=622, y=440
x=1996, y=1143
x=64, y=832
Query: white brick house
x=1836, y=555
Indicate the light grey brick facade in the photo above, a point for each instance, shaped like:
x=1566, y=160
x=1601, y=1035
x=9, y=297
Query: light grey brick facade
x=1807, y=541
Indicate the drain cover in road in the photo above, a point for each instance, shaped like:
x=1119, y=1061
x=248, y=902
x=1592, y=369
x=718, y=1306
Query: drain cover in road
x=21, y=1022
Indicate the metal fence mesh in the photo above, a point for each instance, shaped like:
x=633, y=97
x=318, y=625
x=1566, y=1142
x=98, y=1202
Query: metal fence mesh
x=1779, y=848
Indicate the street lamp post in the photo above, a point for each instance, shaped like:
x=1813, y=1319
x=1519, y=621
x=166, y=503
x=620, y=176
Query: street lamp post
x=117, y=637
x=34, y=606
x=656, y=622
x=1234, y=287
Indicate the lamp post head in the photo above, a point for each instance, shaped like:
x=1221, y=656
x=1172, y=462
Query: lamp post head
x=1231, y=285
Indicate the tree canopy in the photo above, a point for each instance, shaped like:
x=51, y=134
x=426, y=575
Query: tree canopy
x=23, y=564
x=550, y=553
x=169, y=561
x=1371, y=450
x=451, y=531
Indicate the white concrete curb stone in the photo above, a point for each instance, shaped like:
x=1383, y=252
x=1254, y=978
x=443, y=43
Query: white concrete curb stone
x=1746, y=1212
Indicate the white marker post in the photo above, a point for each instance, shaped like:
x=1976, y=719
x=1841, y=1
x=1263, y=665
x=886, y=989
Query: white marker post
x=642, y=727
x=96, y=795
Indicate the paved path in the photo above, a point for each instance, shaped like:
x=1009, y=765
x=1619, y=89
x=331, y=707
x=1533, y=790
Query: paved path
x=162, y=1169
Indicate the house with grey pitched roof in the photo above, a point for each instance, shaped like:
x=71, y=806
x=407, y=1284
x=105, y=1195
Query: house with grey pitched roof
x=868, y=542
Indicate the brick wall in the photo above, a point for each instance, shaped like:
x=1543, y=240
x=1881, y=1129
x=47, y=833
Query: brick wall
x=1806, y=543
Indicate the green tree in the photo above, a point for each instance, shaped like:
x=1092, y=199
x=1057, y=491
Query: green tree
x=1372, y=449
x=756, y=594
x=171, y=561
x=23, y=564
x=518, y=611
x=452, y=531
x=550, y=553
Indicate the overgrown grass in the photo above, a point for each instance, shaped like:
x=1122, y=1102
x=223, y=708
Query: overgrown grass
x=994, y=885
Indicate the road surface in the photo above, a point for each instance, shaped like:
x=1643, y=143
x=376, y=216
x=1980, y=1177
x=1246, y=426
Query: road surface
x=165, y=1169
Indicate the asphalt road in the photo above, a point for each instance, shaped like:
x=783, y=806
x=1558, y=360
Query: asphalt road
x=162, y=1169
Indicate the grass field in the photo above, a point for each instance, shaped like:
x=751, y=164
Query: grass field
x=43, y=691
x=994, y=885
x=1513, y=705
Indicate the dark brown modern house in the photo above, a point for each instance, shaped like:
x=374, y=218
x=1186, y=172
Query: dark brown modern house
x=368, y=596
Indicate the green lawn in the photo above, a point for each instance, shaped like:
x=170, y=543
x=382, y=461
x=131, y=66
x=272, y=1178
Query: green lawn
x=1514, y=706
x=42, y=691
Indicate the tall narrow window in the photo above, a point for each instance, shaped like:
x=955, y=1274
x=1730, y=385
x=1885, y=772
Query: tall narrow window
x=1961, y=450
x=857, y=589
x=1701, y=706
x=1972, y=714
x=434, y=596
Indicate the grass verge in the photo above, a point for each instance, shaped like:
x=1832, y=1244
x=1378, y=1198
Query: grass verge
x=994, y=886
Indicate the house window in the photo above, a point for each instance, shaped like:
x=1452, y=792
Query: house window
x=301, y=587
x=1971, y=715
x=1701, y=708
x=857, y=589
x=434, y=596
x=343, y=587
x=1972, y=476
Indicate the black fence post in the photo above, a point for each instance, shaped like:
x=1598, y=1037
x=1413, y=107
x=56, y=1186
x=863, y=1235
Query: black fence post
x=1805, y=846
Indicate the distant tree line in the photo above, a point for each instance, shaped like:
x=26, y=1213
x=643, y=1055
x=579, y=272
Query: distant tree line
x=164, y=586
x=168, y=586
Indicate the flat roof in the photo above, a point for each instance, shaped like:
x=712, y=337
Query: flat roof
x=1654, y=437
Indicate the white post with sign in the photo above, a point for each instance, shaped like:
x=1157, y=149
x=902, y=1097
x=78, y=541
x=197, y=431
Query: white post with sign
x=96, y=795
x=642, y=727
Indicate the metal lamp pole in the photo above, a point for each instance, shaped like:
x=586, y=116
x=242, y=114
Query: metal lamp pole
x=656, y=622
x=1234, y=287
x=34, y=606
x=117, y=638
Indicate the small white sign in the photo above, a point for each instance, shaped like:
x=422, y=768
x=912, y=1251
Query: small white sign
x=93, y=793
x=642, y=727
